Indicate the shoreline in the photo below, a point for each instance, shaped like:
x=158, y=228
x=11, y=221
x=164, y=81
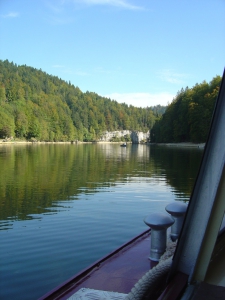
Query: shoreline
x=71, y=142
x=187, y=144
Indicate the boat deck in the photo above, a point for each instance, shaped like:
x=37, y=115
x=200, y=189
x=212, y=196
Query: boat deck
x=113, y=276
x=117, y=272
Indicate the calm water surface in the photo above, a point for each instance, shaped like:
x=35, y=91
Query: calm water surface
x=65, y=206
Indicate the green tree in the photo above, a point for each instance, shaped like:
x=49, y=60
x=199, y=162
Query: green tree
x=5, y=132
x=46, y=107
x=188, y=117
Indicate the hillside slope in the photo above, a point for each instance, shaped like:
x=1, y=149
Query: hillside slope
x=35, y=105
x=188, y=117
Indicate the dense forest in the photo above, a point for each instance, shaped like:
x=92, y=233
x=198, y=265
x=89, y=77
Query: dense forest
x=188, y=117
x=38, y=106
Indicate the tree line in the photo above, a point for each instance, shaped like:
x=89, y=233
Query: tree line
x=188, y=117
x=35, y=105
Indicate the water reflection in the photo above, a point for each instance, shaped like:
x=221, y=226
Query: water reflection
x=34, y=178
x=179, y=165
x=65, y=206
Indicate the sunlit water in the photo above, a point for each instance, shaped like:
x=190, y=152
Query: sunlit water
x=65, y=206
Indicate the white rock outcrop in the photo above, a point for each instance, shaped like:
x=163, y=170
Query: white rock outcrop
x=136, y=136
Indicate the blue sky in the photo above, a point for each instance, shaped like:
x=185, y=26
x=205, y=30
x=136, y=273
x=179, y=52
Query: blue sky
x=138, y=52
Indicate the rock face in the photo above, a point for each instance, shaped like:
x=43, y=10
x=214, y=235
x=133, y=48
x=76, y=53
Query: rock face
x=138, y=136
x=135, y=136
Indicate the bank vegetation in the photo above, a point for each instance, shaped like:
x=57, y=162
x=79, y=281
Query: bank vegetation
x=42, y=107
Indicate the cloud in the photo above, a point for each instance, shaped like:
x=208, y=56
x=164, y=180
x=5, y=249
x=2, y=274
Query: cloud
x=57, y=13
x=118, y=3
x=11, y=15
x=54, y=7
x=171, y=76
x=142, y=99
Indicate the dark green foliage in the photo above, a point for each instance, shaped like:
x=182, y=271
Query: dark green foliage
x=188, y=117
x=35, y=105
x=5, y=132
x=158, y=109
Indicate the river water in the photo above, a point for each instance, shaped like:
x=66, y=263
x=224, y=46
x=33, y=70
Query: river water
x=64, y=206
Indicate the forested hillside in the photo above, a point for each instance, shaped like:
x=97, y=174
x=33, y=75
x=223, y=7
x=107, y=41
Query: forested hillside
x=188, y=117
x=35, y=105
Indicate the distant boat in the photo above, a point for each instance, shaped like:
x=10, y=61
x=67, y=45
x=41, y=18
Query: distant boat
x=123, y=145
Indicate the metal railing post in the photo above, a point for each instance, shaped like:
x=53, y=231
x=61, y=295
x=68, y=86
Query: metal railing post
x=158, y=222
x=177, y=210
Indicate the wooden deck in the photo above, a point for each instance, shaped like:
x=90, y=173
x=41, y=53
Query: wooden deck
x=117, y=272
x=120, y=270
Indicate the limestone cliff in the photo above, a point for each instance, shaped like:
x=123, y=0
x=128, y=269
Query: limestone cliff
x=135, y=136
